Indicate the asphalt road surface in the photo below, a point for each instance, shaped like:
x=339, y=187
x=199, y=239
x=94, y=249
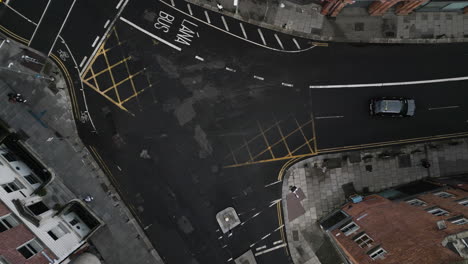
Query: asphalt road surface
x=181, y=104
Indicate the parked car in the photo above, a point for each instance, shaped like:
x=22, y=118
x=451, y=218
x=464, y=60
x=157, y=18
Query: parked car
x=392, y=106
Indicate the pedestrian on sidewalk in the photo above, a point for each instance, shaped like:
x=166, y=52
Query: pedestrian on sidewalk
x=88, y=199
x=220, y=6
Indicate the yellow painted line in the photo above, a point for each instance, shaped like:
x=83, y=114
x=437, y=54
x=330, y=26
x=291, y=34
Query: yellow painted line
x=131, y=97
x=13, y=35
x=266, y=140
x=305, y=138
x=107, y=69
x=107, y=97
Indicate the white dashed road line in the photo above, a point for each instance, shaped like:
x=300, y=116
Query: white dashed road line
x=443, y=107
x=107, y=23
x=270, y=249
x=287, y=84
x=277, y=242
x=199, y=58
x=83, y=61
x=455, y=79
x=261, y=36
x=273, y=183
x=260, y=248
x=119, y=4
x=297, y=44
x=243, y=31
x=189, y=9
x=230, y=69
x=279, y=41
x=258, y=78
x=225, y=24
x=151, y=34
x=207, y=17
x=328, y=117
x=95, y=41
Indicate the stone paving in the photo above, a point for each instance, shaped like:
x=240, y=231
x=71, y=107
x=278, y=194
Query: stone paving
x=353, y=24
x=370, y=171
x=121, y=239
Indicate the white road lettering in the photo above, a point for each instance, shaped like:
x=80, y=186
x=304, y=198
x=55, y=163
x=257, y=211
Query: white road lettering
x=164, y=21
x=185, y=35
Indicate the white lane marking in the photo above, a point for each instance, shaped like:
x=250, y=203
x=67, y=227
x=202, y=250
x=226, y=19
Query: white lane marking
x=151, y=34
x=1, y=45
x=297, y=44
x=225, y=24
x=443, y=107
x=234, y=35
x=275, y=202
x=95, y=41
x=172, y=3
x=255, y=215
x=261, y=36
x=287, y=84
x=199, y=58
x=107, y=23
x=230, y=69
x=265, y=236
x=455, y=79
x=189, y=9
x=279, y=41
x=116, y=17
x=270, y=249
x=279, y=227
x=14, y=10
x=258, y=78
x=273, y=183
x=328, y=117
x=230, y=259
x=260, y=248
x=207, y=17
x=61, y=27
x=277, y=242
x=119, y=4
x=38, y=24
x=83, y=60
x=243, y=31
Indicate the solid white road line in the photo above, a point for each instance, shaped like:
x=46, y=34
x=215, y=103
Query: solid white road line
x=273, y=183
x=107, y=23
x=243, y=31
x=189, y=9
x=38, y=24
x=14, y=10
x=199, y=58
x=328, y=117
x=277, y=242
x=279, y=41
x=265, y=236
x=443, y=107
x=207, y=17
x=83, y=60
x=455, y=79
x=297, y=44
x=274, y=202
x=270, y=249
x=95, y=41
x=261, y=36
x=151, y=34
x=287, y=84
x=119, y=4
x=225, y=24
x=230, y=69
x=258, y=78
x=61, y=27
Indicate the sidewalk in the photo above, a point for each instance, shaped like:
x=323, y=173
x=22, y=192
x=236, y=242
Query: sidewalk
x=47, y=124
x=353, y=24
x=369, y=172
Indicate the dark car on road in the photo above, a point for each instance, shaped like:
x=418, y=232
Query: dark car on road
x=392, y=106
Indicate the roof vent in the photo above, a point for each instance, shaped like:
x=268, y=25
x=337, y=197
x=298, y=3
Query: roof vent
x=441, y=225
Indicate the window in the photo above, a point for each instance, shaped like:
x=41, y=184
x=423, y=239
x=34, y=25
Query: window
x=8, y=222
x=416, y=202
x=437, y=211
x=363, y=240
x=30, y=249
x=58, y=231
x=32, y=179
x=459, y=220
x=444, y=194
x=463, y=202
x=3, y=260
x=38, y=208
x=12, y=186
x=9, y=156
x=349, y=228
x=377, y=253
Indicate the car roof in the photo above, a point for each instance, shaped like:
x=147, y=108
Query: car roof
x=388, y=106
